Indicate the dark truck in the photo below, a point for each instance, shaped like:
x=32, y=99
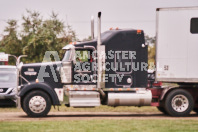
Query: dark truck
x=108, y=70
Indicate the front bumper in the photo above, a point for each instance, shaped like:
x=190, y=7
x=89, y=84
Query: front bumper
x=8, y=93
x=8, y=96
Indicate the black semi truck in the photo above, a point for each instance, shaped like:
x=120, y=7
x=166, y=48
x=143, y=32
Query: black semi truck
x=108, y=70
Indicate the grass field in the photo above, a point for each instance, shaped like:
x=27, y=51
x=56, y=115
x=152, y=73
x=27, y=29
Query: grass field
x=155, y=125
x=101, y=125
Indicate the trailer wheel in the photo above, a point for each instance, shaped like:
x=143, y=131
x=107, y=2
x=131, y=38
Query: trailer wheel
x=36, y=104
x=162, y=109
x=179, y=103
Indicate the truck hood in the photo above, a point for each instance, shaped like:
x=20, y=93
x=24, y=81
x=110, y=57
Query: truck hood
x=32, y=71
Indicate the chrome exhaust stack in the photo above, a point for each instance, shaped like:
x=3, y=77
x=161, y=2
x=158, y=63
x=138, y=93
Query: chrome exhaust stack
x=99, y=29
x=101, y=60
x=92, y=27
x=98, y=51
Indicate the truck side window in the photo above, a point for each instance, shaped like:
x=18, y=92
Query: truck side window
x=83, y=56
x=194, y=25
x=83, y=60
x=67, y=55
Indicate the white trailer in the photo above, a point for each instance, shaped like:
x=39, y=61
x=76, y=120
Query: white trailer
x=177, y=45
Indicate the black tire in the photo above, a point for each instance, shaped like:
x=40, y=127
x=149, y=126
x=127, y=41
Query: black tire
x=22, y=107
x=162, y=109
x=30, y=100
x=178, y=96
x=195, y=110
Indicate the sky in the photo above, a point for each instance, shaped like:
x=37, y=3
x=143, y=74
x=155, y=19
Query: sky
x=136, y=14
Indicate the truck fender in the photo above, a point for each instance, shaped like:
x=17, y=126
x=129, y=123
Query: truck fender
x=40, y=86
x=165, y=91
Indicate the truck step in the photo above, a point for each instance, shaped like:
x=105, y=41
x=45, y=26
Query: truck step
x=84, y=99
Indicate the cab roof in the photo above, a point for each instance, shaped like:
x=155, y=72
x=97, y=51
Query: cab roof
x=106, y=37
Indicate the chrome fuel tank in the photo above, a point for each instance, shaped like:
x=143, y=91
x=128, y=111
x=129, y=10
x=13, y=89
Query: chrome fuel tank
x=139, y=98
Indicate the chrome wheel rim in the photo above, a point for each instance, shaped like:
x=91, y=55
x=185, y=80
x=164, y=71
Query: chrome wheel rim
x=180, y=103
x=37, y=104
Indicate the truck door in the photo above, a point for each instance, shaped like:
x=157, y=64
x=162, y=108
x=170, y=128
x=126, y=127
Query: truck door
x=123, y=69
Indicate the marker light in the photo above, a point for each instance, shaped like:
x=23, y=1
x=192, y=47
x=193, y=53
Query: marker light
x=139, y=31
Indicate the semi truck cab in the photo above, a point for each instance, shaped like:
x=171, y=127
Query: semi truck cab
x=110, y=70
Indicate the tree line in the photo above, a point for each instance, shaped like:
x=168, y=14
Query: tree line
x=36, y=35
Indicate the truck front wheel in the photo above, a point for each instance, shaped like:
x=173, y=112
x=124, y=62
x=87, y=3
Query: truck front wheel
x=36, y=104
x=179, y=103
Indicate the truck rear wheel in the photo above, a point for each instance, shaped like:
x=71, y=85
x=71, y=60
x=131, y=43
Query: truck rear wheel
x=179, y=103
x=36, y=104
x=162, y=109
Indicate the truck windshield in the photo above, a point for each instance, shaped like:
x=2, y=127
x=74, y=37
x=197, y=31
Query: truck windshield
x=8, y=80
x=67, y=55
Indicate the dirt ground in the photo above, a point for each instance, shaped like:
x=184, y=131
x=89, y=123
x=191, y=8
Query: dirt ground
x=21, y=116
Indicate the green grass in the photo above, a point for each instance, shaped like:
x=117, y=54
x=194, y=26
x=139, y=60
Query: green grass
x=102, y=108
x=101, y=125
x=155, y=125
